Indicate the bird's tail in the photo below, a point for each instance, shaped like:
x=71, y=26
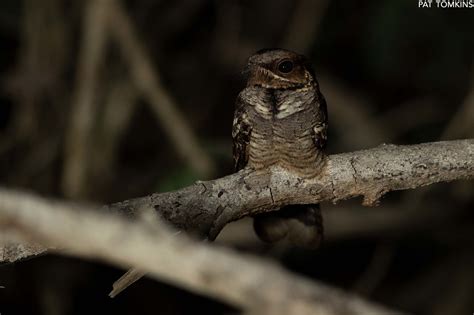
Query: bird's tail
x=301, y=224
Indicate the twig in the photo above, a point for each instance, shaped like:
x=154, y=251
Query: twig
x=148, y=82
x=240, y=280
x=131, y=276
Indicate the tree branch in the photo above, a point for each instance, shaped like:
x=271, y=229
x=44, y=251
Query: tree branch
x=241, y=280
x=206, y=207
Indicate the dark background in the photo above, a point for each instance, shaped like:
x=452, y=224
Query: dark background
x=391, y=73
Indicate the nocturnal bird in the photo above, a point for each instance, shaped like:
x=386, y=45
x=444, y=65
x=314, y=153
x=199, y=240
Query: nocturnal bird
x=281, y=119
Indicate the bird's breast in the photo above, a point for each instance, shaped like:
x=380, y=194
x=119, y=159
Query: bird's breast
x=282, y=131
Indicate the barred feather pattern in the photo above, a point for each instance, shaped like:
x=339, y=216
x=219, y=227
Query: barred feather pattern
x=285, y=127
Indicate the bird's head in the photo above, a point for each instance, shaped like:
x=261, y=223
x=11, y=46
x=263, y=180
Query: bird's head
x=278, y=69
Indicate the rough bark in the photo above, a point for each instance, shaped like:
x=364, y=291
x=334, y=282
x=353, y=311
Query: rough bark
x=206, y=207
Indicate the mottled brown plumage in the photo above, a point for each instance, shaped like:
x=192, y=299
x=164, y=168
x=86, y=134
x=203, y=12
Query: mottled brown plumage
x=281, y=119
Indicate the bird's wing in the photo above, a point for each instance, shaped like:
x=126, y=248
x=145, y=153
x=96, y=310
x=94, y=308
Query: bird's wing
x=321, y=127
x=241, y=130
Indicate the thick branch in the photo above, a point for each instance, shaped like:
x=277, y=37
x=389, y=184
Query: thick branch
x=206, y=207
x=238, y=279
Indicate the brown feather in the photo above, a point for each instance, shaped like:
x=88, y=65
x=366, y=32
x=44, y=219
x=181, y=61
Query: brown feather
x=281, y=119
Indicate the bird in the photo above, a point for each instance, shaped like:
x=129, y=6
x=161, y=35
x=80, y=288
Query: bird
x=281, y=119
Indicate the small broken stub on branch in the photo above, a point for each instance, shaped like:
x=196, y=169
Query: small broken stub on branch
x=372, y=200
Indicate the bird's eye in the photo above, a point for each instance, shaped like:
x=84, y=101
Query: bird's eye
x=286, y=66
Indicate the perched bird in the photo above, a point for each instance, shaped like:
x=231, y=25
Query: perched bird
x=281, y=119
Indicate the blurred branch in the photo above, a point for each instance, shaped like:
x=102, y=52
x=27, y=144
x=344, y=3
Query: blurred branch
x=351, y=116
x=119, y=105
x=148, y=82
x=241, y=280
x=462, y=123
x=102, y=19
x=37, y=76
x=455, y=297
x=376, y=270
x=399, y=119
x=304, y=24
x=118, y=109
x=227, y=34
x=350, y=222
x=179, y=17
x=346, y=222
x=83, y=113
